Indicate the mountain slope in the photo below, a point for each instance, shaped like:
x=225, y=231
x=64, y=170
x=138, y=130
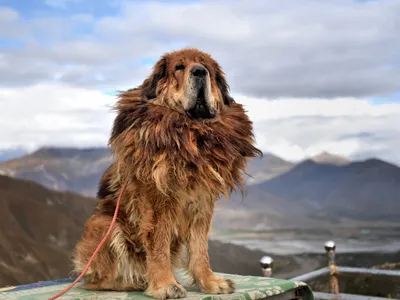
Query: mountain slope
x=38, y=230
x=330, y=159
x=77, y=170
x=266, y=167
x=366, y=189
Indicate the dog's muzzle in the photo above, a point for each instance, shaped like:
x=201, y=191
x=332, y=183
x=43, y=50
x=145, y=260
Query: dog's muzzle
x=201, y=108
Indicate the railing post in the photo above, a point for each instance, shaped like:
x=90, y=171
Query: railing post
x=266, y=263
x=330, y=249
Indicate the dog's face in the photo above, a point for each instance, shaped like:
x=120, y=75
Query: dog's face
x=189, y=81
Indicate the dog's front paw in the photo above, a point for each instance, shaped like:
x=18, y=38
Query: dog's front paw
x=218, y=286
x=172, y=291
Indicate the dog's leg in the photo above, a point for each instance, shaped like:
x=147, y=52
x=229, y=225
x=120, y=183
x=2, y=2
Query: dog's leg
x=103, y=266
x=199, y=262
x=110, y=269
x=156, y=239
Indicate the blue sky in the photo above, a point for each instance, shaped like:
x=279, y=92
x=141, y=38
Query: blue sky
x=392, y=98
x=40, y=8
x=333, y=66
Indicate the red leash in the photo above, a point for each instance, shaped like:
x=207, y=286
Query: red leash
x=97, y=249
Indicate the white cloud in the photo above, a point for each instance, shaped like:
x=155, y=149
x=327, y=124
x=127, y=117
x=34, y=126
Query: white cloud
x=265, y=108
x=355, y=128
x=64, y=115
x=277, y=48
x=58, y=115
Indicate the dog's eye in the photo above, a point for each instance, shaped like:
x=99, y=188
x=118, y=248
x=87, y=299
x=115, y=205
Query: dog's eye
x=179, y=67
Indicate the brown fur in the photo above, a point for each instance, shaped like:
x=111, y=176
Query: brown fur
x=176, y=169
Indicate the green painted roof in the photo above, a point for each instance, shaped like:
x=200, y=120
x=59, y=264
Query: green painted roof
x=247, y=288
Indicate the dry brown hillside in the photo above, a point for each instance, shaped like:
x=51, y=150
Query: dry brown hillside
x=38, y=229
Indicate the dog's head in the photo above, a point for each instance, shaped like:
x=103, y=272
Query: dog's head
x=189, y=81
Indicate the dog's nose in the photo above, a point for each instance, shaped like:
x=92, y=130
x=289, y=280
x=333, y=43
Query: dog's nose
x=199, y=71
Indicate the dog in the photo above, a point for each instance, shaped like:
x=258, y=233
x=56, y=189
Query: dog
x=180, y=142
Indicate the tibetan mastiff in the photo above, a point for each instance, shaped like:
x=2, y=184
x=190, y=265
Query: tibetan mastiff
x=180, y=142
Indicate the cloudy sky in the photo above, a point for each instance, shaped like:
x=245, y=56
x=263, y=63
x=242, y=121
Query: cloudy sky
x=314, y=75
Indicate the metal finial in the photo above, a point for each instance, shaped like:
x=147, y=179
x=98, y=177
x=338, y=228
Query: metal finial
x=330, y=246
x=330, y=249
x=266, y=263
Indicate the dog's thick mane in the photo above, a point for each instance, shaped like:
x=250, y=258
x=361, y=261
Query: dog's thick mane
x=155, y=144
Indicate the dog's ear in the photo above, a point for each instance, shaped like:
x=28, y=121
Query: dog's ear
x=149, y=86
x=223, y=86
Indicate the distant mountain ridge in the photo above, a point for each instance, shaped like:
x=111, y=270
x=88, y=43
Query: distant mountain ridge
x=330, y=159
x=64, y=169
x=79, y=170
x=364, y=189
x=323, y=185
x=267, y=167
x=54, y=152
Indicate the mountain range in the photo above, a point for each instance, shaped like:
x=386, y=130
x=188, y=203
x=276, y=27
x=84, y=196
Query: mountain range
x=64, y=169
x=79, y=170
x=365, y=189
x=41, y=221
x=279, y=193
